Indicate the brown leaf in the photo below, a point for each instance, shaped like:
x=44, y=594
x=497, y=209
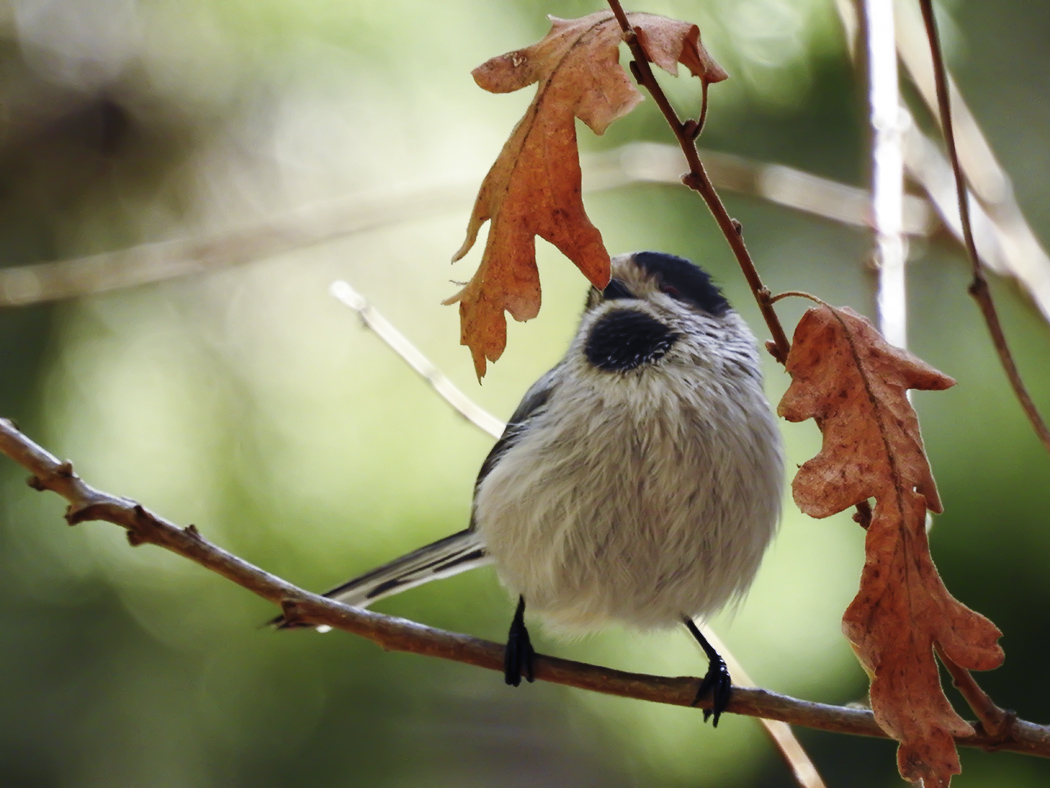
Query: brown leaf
x=846, y=375
x=854, y=384
x=668, y=42
x=534, y=187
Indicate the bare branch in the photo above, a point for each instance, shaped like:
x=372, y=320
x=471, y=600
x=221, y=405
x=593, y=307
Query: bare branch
x=698, y=180
x=1017, y=252
x=929, y=168
x=1010, y=247
x=154, y=262
x=398, y=634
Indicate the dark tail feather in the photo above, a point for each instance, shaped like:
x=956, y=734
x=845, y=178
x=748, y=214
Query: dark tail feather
x=443, y=558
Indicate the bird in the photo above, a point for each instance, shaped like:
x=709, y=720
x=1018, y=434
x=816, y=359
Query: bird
x=638, y=482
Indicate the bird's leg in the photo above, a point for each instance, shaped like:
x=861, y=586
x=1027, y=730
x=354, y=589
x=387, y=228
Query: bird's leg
x=717, y=680
x=518, y=658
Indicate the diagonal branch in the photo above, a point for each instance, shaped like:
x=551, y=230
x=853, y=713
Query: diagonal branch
x=423, y=366
x=1010, y=247
x=305, y=226
x=1008, y=244
x=396, y=634
x=802, y=767
x=979, y=286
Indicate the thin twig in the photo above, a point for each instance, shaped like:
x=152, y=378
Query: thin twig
x=1005, y=251
x=397, y=634
x=297, y=229
x=398, y=342
x=1017, y=252
x=698, y=180
x=1010, y=247
x=979, y=286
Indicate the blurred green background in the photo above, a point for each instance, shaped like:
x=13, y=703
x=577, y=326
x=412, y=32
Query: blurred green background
x=249, y=401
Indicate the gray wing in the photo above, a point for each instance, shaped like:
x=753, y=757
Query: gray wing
x=532, y=405
x=453, y=554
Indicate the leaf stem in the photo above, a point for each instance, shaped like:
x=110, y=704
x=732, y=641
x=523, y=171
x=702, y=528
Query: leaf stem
x=995, y=721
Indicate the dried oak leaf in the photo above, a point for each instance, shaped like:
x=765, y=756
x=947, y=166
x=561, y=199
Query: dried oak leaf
x=848, y=378
x=534, y=186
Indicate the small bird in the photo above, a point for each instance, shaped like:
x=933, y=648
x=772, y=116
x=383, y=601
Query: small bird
x=639, y=481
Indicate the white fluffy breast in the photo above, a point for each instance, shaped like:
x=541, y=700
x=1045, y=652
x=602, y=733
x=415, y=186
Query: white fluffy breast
x=638, y=496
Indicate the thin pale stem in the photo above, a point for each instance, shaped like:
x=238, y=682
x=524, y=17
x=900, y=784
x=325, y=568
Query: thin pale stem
x=798, y=760
x=1008, y=245
x=887, y=122
x=411, y=355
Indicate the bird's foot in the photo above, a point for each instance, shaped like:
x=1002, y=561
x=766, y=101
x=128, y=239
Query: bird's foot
x=718, y=683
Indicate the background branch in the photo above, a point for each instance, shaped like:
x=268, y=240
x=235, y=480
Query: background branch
x=398, y=342
x=1017, y=251
x=324, y=222
x=159, y=261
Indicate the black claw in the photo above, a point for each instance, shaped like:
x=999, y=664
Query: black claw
x=720, y=685
x=519, y=655
x=716, y=681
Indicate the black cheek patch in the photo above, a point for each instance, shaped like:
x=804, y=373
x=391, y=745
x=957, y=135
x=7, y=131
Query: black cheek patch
x=625, y=339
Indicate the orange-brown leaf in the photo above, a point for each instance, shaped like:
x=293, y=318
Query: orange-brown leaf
x=668, y=42
x=534, y=187
x=846, y=375
x=854, y=384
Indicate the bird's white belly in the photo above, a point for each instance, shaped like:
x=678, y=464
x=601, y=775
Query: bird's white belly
x=640, y=512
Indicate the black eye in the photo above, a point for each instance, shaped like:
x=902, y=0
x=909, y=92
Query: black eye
x=671, y=290
x=616, y=289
